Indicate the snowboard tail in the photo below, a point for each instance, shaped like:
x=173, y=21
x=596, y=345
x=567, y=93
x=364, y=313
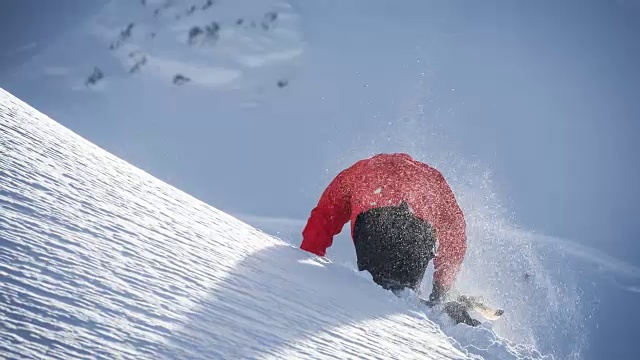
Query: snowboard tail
x=475, y=303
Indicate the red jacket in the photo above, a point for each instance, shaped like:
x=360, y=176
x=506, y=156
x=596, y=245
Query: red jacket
x=387, y=180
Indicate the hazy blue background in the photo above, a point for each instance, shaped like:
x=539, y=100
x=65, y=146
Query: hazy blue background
x=544, y=93
x=29, y=26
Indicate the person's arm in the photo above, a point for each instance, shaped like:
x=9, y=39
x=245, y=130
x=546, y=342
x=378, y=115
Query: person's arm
x=328, y=217
x=452, y=240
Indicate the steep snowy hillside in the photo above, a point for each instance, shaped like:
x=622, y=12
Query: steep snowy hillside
x=99, y=259
x=252, y=106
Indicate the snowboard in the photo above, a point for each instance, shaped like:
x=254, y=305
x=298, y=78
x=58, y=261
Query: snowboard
x=476, y=303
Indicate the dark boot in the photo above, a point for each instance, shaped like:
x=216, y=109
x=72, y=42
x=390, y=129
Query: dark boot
x=459, y=313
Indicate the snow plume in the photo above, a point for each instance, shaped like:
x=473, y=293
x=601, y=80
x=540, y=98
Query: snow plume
x=508, y=267
x=538, y=284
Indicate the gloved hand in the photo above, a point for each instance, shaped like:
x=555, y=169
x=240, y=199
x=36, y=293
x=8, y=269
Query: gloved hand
x=438, y=294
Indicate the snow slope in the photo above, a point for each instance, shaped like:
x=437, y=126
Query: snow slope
x=325, y=83
x=99, y=259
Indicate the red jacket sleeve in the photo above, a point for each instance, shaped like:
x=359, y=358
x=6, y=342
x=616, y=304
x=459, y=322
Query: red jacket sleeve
x=452, y=240
x=328, y=217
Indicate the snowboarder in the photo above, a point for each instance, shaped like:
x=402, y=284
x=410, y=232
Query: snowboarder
x=400, y=209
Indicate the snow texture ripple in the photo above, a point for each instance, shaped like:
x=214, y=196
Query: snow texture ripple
x=98, y=259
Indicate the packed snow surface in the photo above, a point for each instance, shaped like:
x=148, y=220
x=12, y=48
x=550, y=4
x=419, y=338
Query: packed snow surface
x=101, y=260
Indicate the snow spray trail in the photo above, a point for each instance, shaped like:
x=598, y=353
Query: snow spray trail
x=102, y=260
x=546, y=295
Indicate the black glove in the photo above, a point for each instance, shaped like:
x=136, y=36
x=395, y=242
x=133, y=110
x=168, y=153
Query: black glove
x=438, y=293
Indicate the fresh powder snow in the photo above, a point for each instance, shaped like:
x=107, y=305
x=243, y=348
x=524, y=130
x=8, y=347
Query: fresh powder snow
x=101, y=260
